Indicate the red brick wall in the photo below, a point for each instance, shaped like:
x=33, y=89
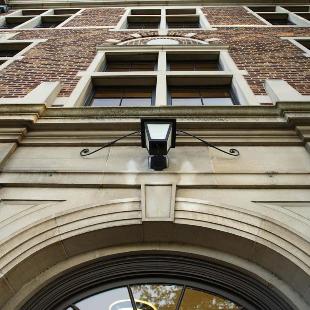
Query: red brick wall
x=230, y=16
x=97, y=17
x=260, y=51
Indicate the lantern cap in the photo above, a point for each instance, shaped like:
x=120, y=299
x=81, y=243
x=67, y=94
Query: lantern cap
x=170, y=121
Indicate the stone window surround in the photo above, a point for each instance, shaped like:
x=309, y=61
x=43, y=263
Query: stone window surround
x=19, y=55
x=294, y=40
x=84, y=87
x=298, y=20
x=163, y=29
x=33, y=22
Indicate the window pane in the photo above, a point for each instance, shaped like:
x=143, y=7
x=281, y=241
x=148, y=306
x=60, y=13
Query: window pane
x=118, y=67
x=184, y=93
x=111, y=300
x=186, y=101
x=108, y=93
x=136, y=102
x=133, y=25
x=217, y=101
x=205, y=66
x=130, y=66
x=156, y=296
x=181, y=66
x=143, y=66
x=105, y=102
x=198, y=300
x=137, y=93
x=183, y=25
x=194, y=66
x=215, y=92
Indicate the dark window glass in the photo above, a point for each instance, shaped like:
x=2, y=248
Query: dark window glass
x=277, y=18
x=142, y=25
x=180, y=11
x=204, y=65
x=65, y=11
x=32, y=12
x=48, y=25
x=11, y=49
x=122, y=96
x=183, y=25
x=14, y=21
x=130, y=66
x=304, y=15
x=208, y=96
x=297, y=8
x=262, y=8
x=305, y=43
x=145, y=12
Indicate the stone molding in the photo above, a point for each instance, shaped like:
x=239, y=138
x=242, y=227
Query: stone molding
x=251, y=235
x=94, y=3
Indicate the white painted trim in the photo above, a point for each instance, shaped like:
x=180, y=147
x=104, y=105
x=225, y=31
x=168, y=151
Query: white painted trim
x=257, y=16
x=280, y=90
x=19, y=55
x=239, y=85
x=294, y=18
x=161, y=85
x=45, y=93
x=61, y=25
x=294, y=41
x=123, y=21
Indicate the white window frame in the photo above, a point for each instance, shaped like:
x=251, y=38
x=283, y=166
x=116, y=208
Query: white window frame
x=36, y=20
x=84, y=87
x=293, y=17
x=19, y=55
x=294, y=40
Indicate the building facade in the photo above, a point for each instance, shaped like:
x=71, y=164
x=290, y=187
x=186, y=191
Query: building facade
x=106, y=231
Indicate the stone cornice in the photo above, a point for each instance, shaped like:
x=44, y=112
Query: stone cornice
x=284, y=114
x=94, y=3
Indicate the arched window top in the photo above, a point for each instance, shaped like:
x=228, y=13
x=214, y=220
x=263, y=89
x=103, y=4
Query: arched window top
x=164, y=40
x=155, y=296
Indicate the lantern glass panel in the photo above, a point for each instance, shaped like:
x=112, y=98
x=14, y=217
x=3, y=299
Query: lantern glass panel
x=158, y=131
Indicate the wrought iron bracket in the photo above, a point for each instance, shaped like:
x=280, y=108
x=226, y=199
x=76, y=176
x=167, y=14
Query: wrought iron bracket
x=86, y=152
x=231, y=152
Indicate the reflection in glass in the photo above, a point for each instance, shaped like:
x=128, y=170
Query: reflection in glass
x=109, y=300
x=217, y=101
x=122, y=96
x=209, y=95
x=160, y=296
x=199, y=300
x=155, y=297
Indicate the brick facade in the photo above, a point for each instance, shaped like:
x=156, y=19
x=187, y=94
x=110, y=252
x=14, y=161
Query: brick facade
x=260, y=51
x=230, y=16
x=97, y=17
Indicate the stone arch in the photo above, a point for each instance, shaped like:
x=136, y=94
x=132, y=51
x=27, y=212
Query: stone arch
x=60, y=241
x=178, y=38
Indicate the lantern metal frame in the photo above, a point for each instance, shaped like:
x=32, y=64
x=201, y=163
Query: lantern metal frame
x=159, y=160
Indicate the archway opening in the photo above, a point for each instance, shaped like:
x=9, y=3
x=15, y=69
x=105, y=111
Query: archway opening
x=156, y=281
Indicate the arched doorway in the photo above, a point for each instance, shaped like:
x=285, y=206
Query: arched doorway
x=154, y=281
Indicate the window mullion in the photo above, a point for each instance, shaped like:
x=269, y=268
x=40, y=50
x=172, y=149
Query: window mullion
x=163, y=24
x=161, y=85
